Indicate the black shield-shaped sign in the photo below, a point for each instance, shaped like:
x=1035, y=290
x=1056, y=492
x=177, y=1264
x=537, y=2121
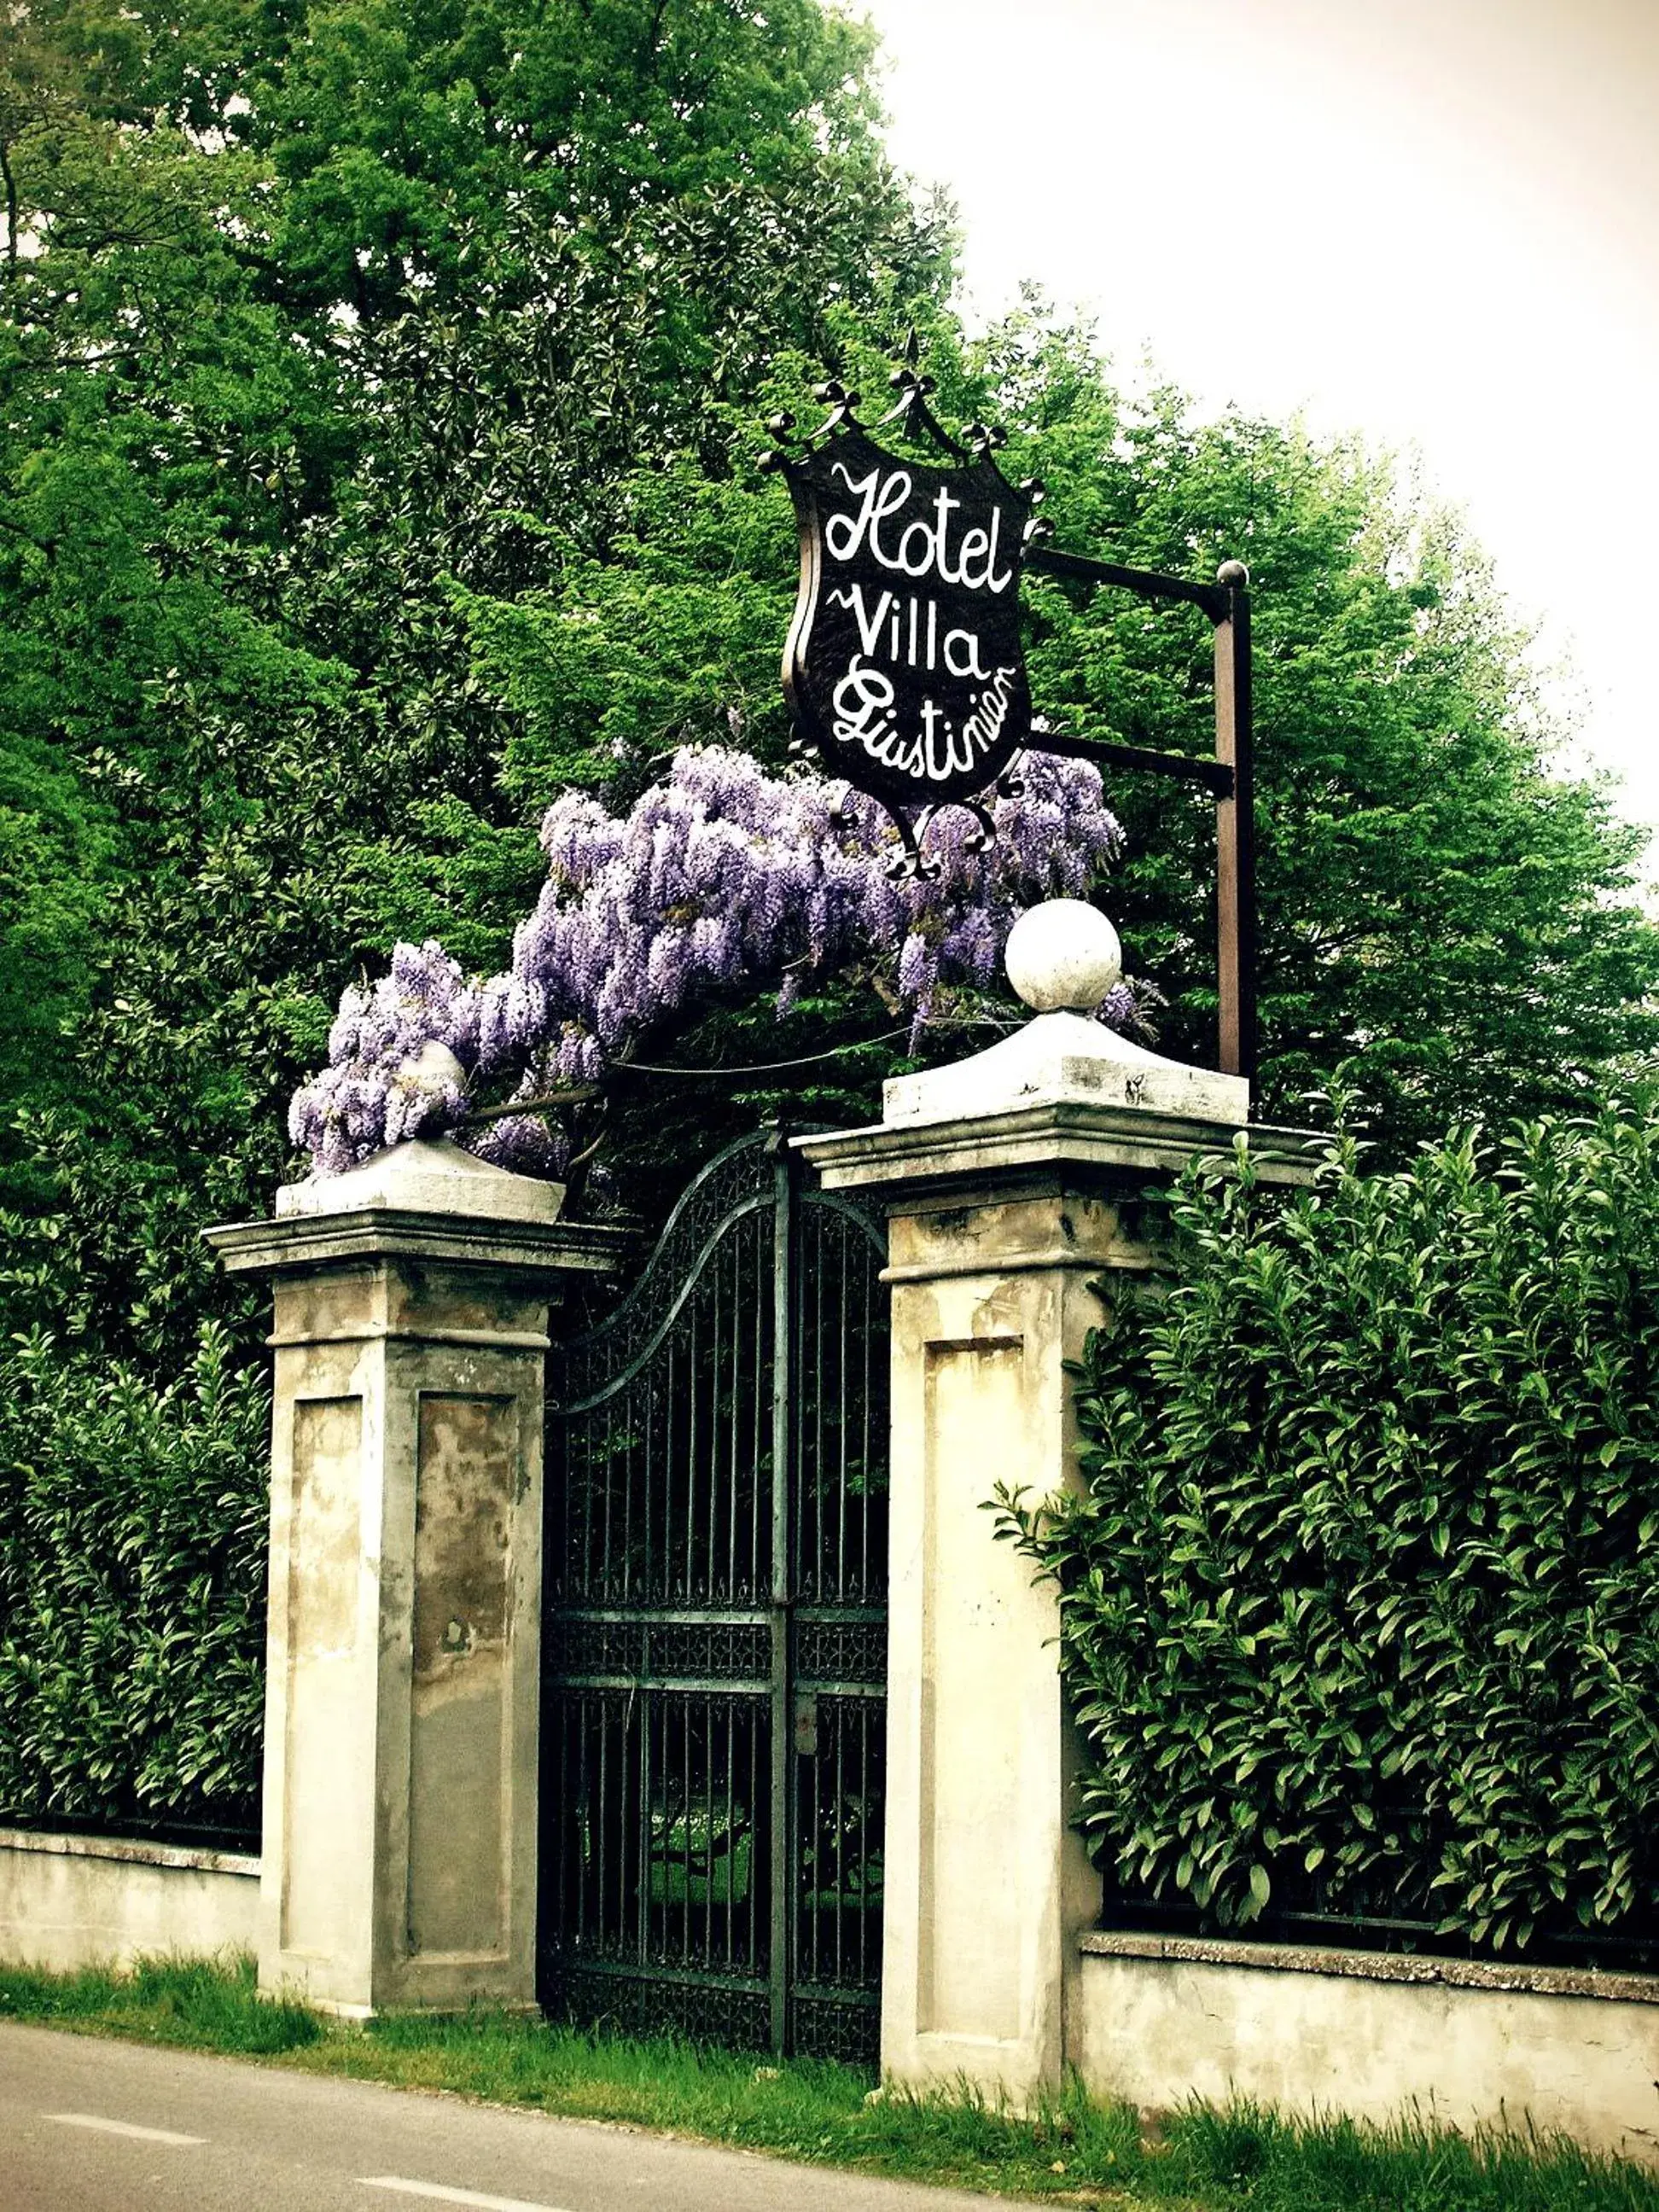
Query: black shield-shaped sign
x=903, y=664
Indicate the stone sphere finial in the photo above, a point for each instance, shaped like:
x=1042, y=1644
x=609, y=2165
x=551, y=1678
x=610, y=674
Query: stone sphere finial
x=434, y=1068
x=1063, y=954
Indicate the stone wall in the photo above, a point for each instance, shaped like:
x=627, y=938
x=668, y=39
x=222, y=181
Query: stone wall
x=1154, y=2020
x=73, y=1901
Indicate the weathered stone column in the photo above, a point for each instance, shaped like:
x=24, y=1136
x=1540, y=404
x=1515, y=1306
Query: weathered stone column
x=412, y=1300
x=1014, y=1181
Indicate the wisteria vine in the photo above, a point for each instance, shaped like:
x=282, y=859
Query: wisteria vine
x=721, y=879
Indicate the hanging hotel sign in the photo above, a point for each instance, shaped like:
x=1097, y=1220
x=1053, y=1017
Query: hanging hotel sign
x=904, y=666
x=903, y=669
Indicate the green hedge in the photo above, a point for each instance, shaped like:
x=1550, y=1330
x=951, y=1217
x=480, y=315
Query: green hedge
x=1360, y=1603
x=132, y=1565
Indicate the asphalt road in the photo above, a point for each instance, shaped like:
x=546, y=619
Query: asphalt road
x=87, y=2125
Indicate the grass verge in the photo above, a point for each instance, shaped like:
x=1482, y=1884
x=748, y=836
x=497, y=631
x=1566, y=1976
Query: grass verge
x=1075, y=2150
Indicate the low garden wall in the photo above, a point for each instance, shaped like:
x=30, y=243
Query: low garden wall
x=73, y=1901
x=1154, y=2020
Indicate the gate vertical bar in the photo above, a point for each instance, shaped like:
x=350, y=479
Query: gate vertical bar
x=783, y=1365
x=1236, y=917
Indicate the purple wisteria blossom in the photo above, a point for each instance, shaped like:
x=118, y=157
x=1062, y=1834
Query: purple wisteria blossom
x=721, y=879
x=399, y=1056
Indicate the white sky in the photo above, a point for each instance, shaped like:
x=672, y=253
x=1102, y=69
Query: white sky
x=1433, y=221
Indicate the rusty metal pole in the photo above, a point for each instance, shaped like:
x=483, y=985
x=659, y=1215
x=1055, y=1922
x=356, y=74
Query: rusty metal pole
x=1235, y=824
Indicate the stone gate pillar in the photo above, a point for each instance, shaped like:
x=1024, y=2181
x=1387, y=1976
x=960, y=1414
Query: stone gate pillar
x=1014, y=1182
x=410, y=1301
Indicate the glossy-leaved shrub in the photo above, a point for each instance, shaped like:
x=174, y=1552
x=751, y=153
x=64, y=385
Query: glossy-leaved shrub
x=133, y=1571
x=1359, y=1588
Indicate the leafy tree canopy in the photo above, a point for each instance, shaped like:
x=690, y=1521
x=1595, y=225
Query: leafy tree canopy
x=380, y=397
x=313, y=320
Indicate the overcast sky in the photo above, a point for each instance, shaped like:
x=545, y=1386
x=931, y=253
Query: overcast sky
x=1434, y=221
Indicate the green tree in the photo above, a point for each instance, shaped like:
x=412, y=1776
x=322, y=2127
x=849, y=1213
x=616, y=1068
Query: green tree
x=322, y=319
x=377, y=456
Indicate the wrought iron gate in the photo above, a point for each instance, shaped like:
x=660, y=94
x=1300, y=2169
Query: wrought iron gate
x=713, y=1739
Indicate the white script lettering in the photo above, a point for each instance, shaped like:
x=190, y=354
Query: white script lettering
x=869, y=625
x=863, y=703
x=864, y=716
x=970, y=665
x=924, y=547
